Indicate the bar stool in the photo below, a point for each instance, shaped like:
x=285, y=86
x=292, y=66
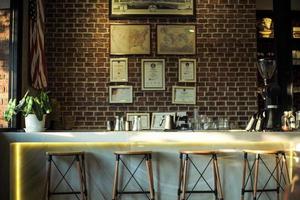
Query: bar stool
x=185, y=159
x=280, y=164
x=78, y=157
x=146, y=156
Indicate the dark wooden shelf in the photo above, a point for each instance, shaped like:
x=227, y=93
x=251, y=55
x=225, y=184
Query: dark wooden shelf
x=295, y=43
x=264, y=13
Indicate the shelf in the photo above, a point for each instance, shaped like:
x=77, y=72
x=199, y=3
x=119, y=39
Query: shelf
x=295, y=43
x=264, y=13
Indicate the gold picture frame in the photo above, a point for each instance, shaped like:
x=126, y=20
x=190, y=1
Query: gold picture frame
x=141, y=8
x=145, y=119
x=120, y=94
x=187, y=70
x=176, y=39
x=183, y=95
x=130, y=39
x=153, y=74
x=119, y=70
x=157, y=121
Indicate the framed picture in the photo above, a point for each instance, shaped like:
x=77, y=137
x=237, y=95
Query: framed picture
x=129, y=39
x=158, y=120
x=187, y=70
x=153, y=74
x=120, y=94
x=118, y=70
x=183, y=95
x=140, y=8
x=176, y=39
x=145, y=119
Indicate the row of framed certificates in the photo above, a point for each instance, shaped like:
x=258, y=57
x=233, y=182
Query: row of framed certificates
x=153, y=72
x=157, y=119
x=180, y=94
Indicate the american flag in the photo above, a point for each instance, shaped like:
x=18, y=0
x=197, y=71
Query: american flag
x=37, y=60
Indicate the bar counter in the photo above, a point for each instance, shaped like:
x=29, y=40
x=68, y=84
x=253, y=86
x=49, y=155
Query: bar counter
x=24, y=158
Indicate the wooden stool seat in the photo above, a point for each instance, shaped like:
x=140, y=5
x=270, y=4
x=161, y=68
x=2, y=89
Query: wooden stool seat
x=186, y=161
x=78, y=158
x=56, y=153
x=275, y=173
x=263, y=151
x=201, y=152
x=132, y=152
x=147, y=156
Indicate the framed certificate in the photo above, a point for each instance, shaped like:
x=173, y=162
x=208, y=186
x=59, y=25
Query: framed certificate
x=153, y=74
x=187, y=70
x=183, y=95
x=120, y=94
x=158, y=120
x=145, y=119
x=118, y=70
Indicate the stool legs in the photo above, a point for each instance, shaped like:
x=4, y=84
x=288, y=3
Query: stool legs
x=116, y=194
x=244, y=176
x=217, y=175
x=276, y=174
x=79, y=159
x=115, y=186
x=184, y=176
x=150, y=176
x=48, y=182
x=81, y=173
x=180, y=176
x=256, y=176
x=183, y=171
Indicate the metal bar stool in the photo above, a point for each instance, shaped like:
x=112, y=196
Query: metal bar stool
x=280, y=178
x=146, y=156
x=78, y=157
x=185, y=159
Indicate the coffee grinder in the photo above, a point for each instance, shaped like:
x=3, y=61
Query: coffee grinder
x=270, y=93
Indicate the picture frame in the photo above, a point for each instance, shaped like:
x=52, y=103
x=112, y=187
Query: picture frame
x=145, y=119
x=183, y=95
x=120, y=94
x=141, y=8
x=187, y=70
x=153, y=74
x=176, y=39
x=157, y=122
x=130, y=39
x=119, y=70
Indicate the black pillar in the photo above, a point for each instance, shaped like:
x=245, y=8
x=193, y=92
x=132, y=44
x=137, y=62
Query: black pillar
x=283, y=35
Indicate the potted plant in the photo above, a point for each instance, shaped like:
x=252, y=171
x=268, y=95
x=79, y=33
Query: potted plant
x=33, y=107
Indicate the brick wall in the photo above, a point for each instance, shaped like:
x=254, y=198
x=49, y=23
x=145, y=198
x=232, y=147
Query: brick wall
x=4, y=56
x=77, y=50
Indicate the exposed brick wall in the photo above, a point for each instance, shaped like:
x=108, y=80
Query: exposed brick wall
x=4, y=56
x=77, y=50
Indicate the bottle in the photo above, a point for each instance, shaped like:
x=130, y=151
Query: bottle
x=292, y=120
x=285, y=121
x=117, y=123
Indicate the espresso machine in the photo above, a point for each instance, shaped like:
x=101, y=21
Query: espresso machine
x=269, y=93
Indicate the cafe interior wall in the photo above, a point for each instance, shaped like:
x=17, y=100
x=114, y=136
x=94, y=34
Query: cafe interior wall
x=77, y=51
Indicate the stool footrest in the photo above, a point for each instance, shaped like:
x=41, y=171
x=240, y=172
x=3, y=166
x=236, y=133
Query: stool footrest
x=64, y=193
x=200, y=191
x=134, y=192
x=265, y=190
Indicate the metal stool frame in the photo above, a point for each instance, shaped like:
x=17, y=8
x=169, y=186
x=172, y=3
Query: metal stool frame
x=117, y=193
x=79, y=159
x=280, y=159
x=183, y=170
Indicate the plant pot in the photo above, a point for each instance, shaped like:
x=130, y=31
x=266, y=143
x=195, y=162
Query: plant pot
x=32, y=123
